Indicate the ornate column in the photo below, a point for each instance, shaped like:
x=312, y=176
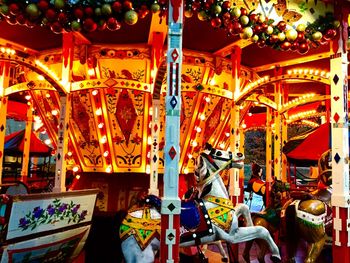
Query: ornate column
x=171, y=203
x=284, y=135
x=277, y=156
x=340, y=143
x=234, y=187
x=269, y=160
x=4, y=82
x=65, y=108
x=26, y=146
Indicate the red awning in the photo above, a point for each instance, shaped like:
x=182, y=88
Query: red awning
x=311, y=149
x=14, y=145
x=17, y=110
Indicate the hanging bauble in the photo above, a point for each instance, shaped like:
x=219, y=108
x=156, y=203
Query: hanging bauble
x=202, y=16
x=236, y=28
x=113, y=24
x=117, y=7
x=285, y=46
x=62, y=18
x=14, y=9
x=143, y=12
x=303, y=48
x=43, y=5
x=59, y=4
x=330, y=34
x=75, y=26
x=98, y=11
x=89, y=25
x=244, y=12
x=244, y=20
x=56, y=27
x=215, y=22
x=131, y=17
x=300, y=37
x=21, y=19
x=281, y=36
x=155, y=7
x=261, y=43
x=188, y=13
x=236, y=12
x=89, y=11
x=257, y=29
x=255, y=38
x=269, y=30
x=78, y=13
x=262, y=19
x=317, y=35
x=4, y=10
x=216, y=9
x=281, y=26
x=247, y=32
x=106, y=9
x=226, y=5
x=273, y=39
x=51, y=14
x=295, y=46
x=253, y=17
x=32, y=10
x=226, y=17
x=301, y=27
x=291, y=34
x=127, y=5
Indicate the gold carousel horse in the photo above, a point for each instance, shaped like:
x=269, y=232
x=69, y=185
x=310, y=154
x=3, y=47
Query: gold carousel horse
x=210, y=218
x=307, y=215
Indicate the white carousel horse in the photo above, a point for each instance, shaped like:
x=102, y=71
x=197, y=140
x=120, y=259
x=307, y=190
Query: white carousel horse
x=140, y=230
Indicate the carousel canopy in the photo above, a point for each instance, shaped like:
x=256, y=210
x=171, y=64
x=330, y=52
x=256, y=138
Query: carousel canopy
x=14, y=145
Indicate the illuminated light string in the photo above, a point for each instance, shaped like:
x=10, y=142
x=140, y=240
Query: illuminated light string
x=8, y=51
x=47, y=70
x=300, y=99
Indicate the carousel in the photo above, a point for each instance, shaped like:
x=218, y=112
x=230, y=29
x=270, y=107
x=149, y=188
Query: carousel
x=139, y=101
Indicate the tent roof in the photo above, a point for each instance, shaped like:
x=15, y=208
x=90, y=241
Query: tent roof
x=311, y=148
x=14, y=145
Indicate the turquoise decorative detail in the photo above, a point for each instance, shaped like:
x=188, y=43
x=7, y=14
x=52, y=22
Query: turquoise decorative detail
x=55, y=212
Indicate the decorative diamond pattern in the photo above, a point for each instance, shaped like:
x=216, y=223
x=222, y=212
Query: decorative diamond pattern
x=335, y=79
x=336, y=117
x=173, y=102
x=155, y=158
x=155, y=127
x=172, y=152
x=110, y=82
x=171, y=236
x=337, y=158
x=175, y=54
x=2, y=128
x=276, y=137
x=171, y=207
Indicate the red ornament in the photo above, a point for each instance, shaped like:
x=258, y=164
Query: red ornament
x=303, y=48
x=113, y=24
x=286, y=45
x=117, y=7
x=89, y=25
x=51, y=14
x=56, y=27
x=244, y=12
x=216, y=22
x=330, y=34
x=257, y=29
x=226, y=5
x=14, y=9
x=43, y=5
x=273, y=39
x=253, y=17
x=21, y=19
x=235, y=28
x=261, y=43
x=282, y=26
x=127, y=5
x=78, y=13
x=62, y=18
x=89, y=11
x=300, y=37
x=295, y=46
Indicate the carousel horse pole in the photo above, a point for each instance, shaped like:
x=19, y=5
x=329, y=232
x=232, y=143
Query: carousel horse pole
x=210, y=218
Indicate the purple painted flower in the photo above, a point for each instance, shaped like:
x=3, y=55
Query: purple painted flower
x=75, y=209
x=37, y=212
x=50, y=210
x=62, y=208
x=23, y=222
x=82, y=215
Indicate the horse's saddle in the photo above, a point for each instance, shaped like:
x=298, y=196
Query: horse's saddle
x=270, y=215
x=194, y=219
x=322, y=194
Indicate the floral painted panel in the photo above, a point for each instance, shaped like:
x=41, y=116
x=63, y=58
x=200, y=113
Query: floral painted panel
x=35, y=216
x=58, y=247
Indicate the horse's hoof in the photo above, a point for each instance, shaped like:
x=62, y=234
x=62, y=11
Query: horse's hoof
x=275, y=259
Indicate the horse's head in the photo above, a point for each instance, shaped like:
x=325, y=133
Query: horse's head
x=212, y=160
x=325, y=168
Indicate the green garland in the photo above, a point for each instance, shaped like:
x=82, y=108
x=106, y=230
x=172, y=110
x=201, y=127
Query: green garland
x=88, y=16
